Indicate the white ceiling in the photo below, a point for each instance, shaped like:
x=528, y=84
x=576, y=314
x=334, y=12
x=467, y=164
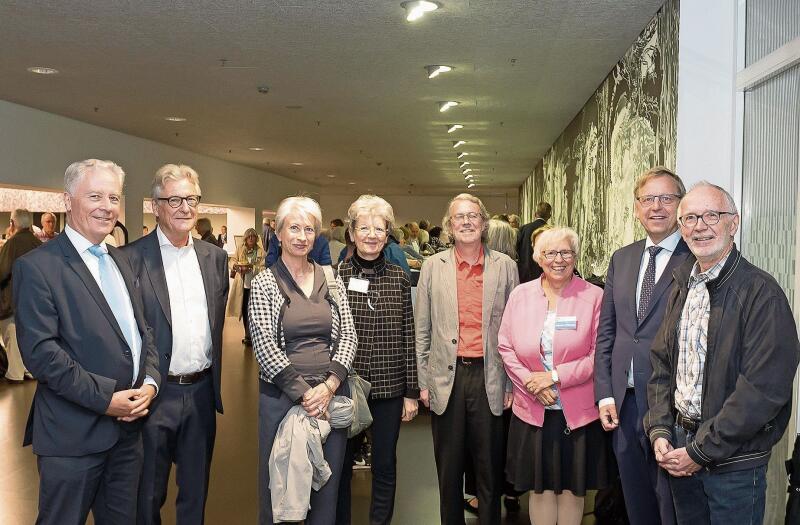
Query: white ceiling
x=523, y=69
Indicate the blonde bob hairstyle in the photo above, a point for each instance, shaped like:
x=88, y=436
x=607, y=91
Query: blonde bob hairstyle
x=448, y=228
x=502, y=237
x=173, y=172
x=550, y=237
x=306, y=207
x=371, y=205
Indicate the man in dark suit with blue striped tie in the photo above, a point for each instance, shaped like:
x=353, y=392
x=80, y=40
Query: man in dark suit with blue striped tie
x=82, y=334
x=639, y=277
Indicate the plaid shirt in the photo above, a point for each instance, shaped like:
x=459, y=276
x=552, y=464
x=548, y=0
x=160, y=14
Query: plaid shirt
x=384, y=320
x=692, y=337
x=266, y=328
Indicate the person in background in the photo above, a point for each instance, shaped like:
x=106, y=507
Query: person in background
x=528, y=268
x=502, y=237
x=337, y=242
x=48, y=230
x=320, y=253
x=335, y=223
x=425, y=224
x=413, y=257
x=222, y=238
x=184, y=285
x=638, y=281
x=557, y=447
x=379, y=294
x=724, y=362
x=83, y=335
x=145, y=230
x=304, y=342
x=248, y=264
x=18, y=245
x=267, y=228
x=513, y=220
x=205, y=230
x=461, y=295
x=412, y=237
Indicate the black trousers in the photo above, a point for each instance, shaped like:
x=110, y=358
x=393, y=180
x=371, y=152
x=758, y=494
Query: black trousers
x=104, y=482
x=245, y=312
x=180, y=429
x=469, y=474
x=273, y=405
x=468, y=425
x=386, y=415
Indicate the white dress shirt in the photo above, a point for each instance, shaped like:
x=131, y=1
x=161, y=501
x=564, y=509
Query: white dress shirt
x=82, y=245
x=191, y=329
x=668, y=246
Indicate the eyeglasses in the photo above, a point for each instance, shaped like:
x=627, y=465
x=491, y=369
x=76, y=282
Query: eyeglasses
x=365, y=230
x=175, y=201
x=666, y=199
x=710, y=218
x=566, y=255
x=471, y=217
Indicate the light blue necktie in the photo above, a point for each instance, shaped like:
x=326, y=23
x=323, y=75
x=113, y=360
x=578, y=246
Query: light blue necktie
x=116, y=297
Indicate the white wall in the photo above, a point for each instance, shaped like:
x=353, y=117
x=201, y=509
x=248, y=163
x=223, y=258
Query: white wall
x=408, y=208
x=36, y=147
x=707, y=92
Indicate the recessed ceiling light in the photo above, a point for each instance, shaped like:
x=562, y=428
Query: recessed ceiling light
x=351, y=183
x=331, y=176
x=462, y=154
x=457, y=143
x=466, y=171
x=453, y=127
x=447, y=104
x=175, y=119
x=256, y=148
x=436, y=70
x=465, y=163
x=41, y=70
x=416, y=9
x=297, y=163
x=471, y=185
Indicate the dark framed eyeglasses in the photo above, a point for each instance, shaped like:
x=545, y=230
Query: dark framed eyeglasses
x=175, y=201
x=566, y=255
x=710, y=218
x=665, y=200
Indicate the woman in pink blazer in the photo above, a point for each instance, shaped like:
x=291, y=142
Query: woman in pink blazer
x=556, y=446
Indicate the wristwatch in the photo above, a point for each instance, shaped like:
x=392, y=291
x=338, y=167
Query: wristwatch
x=554, y=375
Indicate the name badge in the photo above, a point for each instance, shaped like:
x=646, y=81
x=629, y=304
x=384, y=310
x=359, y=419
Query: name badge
x=567, y=323
x=358, y=285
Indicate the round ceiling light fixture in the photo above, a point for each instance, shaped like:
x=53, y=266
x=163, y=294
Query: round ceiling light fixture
x=42, y=70
x=297, y=163
x=416, y=9
x=256, y=148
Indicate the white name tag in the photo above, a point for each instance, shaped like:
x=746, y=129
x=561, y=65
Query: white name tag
x=567, y=323
x=358, y=285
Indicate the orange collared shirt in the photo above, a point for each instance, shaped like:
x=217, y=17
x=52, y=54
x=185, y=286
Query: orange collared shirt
x=469, y=284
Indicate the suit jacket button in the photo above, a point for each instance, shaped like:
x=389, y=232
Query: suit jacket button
x=455, y=341
x=635, y=340
x=166, y=356
x=449, y=367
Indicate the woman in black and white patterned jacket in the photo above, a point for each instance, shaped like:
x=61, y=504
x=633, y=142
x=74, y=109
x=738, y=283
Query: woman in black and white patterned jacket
x=304, y=341
x=379, y=294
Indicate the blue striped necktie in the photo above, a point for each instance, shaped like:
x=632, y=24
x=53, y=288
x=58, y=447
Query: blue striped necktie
x=115, y=294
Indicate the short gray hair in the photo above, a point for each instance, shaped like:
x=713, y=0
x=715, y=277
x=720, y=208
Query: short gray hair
x=371, y=205
x=173, y=172
x=22, y=218
x=76, y=171
x=448, y=228
x=47, y=213
x=305, y=206
x=728, y=197
x=552, y=236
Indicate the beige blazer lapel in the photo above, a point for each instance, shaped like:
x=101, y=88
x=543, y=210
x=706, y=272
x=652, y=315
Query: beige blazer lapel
x=448, y=277
x=490, y=279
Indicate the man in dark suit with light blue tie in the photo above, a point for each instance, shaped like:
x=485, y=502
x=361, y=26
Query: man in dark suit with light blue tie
x=82, y=333
x=185, y=287
x=639, y=277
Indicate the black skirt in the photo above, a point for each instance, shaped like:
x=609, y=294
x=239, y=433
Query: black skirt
x=547, y=458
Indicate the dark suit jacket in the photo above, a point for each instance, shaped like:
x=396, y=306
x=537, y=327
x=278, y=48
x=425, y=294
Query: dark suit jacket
x=145, y=256
x=528, y=268
x=71, y=342
x=620, y=336
x=21, y=243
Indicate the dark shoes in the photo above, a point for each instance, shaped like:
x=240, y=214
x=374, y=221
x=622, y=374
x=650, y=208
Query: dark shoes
x=511, y=504
x=471, y=505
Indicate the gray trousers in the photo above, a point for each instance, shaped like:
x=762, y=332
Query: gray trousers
x=273, y=405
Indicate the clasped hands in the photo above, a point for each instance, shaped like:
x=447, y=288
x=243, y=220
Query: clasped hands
x=676, y=461
x=317, y=399
x=129, y=405
x=539, y=384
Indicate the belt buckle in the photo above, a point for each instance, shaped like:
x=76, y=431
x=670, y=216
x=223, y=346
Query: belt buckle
x=465, y=361
x=185, y=379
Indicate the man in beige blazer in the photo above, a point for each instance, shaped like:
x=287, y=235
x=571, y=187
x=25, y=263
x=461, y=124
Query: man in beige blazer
x=461, y=296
